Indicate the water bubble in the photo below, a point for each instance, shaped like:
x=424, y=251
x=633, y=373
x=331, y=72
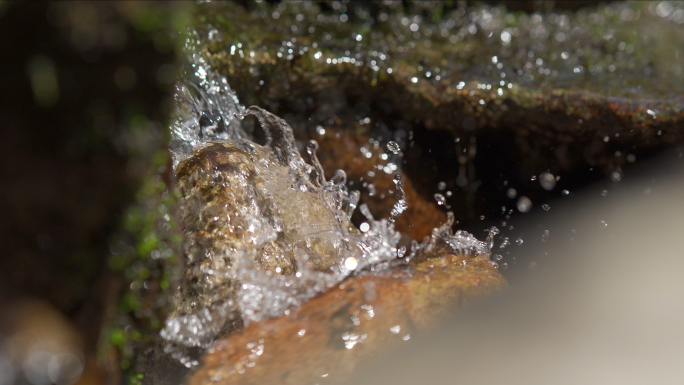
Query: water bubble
x=441, y=186
x=524, y=204
x=511, y=193
x=545, y=236
x=393, y=146
x=519, y=241
x=546, y=207
x=547, y=181
x=440, y=199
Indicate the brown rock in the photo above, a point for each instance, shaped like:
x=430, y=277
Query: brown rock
x=340, y=150
x=333, y=333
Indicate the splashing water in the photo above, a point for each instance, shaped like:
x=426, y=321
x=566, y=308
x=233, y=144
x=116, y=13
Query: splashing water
x=263, y=230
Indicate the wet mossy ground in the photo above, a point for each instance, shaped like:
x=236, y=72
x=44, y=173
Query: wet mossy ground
x=580, y=93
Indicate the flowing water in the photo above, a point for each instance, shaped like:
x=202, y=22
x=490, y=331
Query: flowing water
x=263, y=230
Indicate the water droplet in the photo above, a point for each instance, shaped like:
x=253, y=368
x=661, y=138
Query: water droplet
x=534, y=177
x=616, y=176
x=524, y=204
x=493, y=231
x=547, y=181
x=440, y=199
x=604, y=193
x=545, y=236
x=511, y=193
x=441, y=186
x=393, y=146
x=448, y=194
x=364, y=227
x=395, y=329
x=519, y=241
x=566, y=192
x=482, y=217
x=504, y=243
x=546, y=207
x=301, y=332
x=603, y=224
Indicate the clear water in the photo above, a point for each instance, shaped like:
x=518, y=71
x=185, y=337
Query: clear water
x=286, y=234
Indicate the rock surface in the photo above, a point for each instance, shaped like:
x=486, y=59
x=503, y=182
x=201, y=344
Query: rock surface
x=580, y=94
x=326, y=338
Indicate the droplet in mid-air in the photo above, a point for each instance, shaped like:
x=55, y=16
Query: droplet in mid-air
x=546, y=207
x=441, y=186
x=393, y=146
x=547, y=181
x=511, y=193
x=440, y=199
x=524, y=204
x=545, y=236
x=519, y=241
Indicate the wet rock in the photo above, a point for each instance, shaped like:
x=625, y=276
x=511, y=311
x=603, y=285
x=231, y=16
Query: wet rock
x=557, y=91
x=252, y=217
x=233, y=194
x=340, y=150
x=363, y=316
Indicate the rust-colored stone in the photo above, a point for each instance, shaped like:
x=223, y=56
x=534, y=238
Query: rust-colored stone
x=336, y=331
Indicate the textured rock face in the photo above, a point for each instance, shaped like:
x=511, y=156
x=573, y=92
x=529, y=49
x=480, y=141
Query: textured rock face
x=247, y=207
